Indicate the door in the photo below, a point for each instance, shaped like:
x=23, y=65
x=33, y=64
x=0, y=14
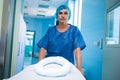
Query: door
x=111, y=56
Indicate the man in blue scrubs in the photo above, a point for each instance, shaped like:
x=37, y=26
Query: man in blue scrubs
x=63, y=39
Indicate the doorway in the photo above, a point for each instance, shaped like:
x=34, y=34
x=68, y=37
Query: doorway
x=29, y=47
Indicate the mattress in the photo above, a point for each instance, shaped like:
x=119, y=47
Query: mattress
x=29, y=73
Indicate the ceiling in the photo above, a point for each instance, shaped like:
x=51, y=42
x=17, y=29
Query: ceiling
x=41, y=8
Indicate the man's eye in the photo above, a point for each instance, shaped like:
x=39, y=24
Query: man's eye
x=66, y=13
x=60, y=13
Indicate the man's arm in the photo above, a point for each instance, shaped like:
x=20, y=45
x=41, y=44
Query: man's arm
x=42, y=53
x=78, y=57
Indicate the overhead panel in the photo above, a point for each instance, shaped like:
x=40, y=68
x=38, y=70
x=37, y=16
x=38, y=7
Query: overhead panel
x=42, y=8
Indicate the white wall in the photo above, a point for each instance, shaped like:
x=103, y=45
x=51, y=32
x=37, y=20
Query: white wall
x=76, y=10
x=21, y=45
x=15, y=37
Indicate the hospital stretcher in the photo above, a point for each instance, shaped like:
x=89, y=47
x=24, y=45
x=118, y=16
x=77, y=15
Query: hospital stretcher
x=35, y=72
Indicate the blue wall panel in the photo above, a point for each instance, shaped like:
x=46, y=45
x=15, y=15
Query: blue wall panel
x=92, y=28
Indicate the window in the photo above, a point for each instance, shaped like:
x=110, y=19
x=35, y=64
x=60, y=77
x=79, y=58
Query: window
x=113, y=26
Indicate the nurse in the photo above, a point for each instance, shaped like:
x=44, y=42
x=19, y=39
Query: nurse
x=63, y=39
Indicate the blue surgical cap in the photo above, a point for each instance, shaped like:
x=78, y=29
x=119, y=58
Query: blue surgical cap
x=61, y=8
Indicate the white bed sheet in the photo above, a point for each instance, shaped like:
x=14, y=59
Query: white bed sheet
x=30, y=74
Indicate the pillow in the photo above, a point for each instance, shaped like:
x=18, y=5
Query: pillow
x=53, y=67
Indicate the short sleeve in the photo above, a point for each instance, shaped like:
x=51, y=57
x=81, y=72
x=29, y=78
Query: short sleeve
x=43, y=43
x=78, y=40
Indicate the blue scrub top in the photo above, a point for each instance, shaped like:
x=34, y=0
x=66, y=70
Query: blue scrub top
x=62, y=43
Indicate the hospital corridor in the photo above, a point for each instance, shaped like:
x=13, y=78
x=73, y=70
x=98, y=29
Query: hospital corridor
x=89, y=27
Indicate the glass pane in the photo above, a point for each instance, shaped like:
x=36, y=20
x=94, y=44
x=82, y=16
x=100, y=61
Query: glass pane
x=29, y=38
x=113, y=23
